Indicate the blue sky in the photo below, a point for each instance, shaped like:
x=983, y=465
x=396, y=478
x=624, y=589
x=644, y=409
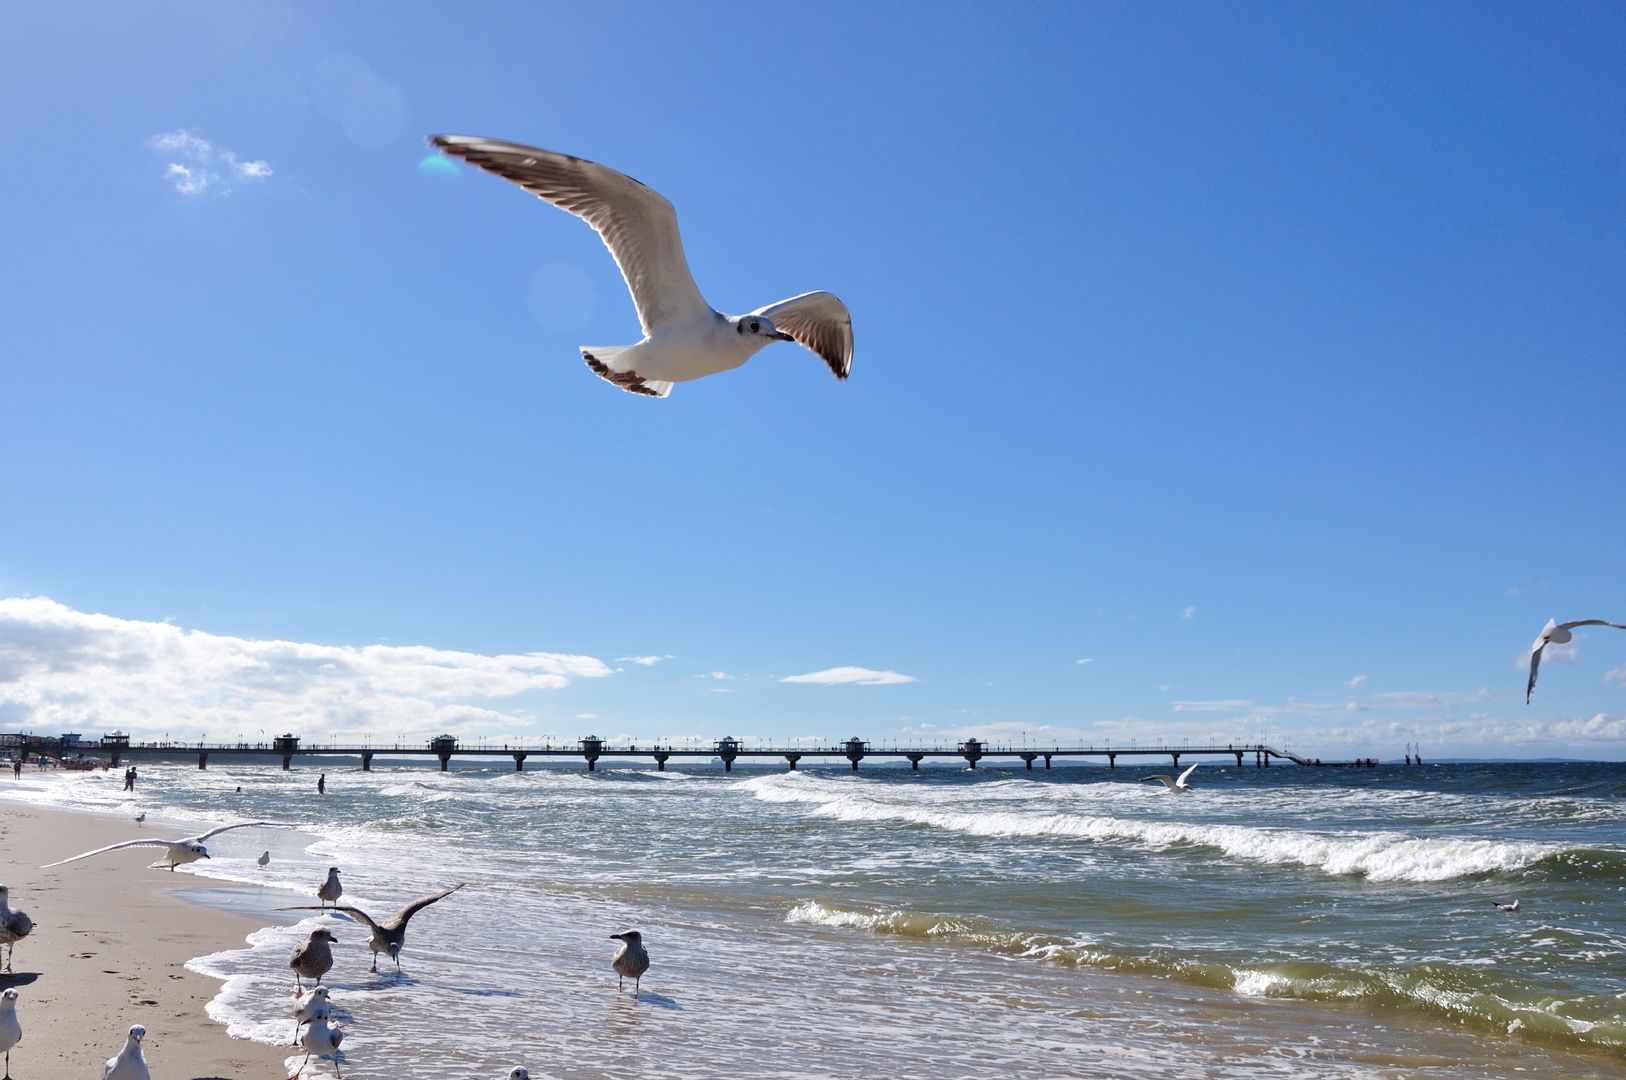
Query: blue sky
x=1268, y=358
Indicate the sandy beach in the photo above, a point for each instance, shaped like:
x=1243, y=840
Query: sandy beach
x=109, y=949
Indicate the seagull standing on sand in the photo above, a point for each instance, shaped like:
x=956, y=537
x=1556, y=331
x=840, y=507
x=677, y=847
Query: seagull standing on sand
x=308, y=1007
x=139, y=818
x=321, y=1039
x=684, y=337
x=14, y=925
x=330, y=890
x=264, y=859
x=631, y=960
x=312, y=958
x=1556, y=633
x=11, y=1029
x=1178, y=787
x=388, y=936
x=128, y=1064
x=1514, y=906
x=187, y=849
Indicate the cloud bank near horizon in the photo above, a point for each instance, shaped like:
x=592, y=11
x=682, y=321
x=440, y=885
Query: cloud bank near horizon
x=67, y=670
x=851, y=676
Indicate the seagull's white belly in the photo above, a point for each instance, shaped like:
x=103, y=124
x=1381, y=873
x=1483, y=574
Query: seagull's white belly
x=684, y=353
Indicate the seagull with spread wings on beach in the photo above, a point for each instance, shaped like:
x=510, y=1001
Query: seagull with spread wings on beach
x=187, y=849
x=388, y=934
x=685, y=338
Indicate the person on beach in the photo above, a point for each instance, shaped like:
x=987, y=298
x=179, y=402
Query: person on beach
x=17, y=767
x=321, y=784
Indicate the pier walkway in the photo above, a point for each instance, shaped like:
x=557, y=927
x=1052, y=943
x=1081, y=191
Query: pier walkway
x=592, y=750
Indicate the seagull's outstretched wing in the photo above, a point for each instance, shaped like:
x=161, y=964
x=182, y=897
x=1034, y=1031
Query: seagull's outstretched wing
x=1560, y=630
x=244, y=825
x=400, y=917
x=820, y=321
x=1166, y=781
x=353, y=912
x=1186, y=775
x=636, y=223
x=110, y=847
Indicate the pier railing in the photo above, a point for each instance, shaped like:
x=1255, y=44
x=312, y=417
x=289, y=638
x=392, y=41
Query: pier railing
x=592, y=750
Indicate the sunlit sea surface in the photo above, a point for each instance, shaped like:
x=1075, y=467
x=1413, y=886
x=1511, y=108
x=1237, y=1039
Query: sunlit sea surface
x=1283, y=922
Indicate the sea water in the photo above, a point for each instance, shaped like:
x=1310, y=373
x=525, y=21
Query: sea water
x=1070, y=922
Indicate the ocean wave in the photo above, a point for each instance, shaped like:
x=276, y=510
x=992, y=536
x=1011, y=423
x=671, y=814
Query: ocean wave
x=1485, y=998
x=1377, y=856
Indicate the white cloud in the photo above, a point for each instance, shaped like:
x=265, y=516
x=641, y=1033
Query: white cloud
x=1356, y=682
x=643, y=661
x=716, y=675
x=1085, y=660
x=1189, y=612
x=67, y=670
x=203, y=166
x=1221, y=705
x=586, y=716
x=856, y=676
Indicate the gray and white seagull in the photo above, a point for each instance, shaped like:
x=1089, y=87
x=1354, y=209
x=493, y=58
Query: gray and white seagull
x=1555, y=633
x=684, y=337
x=187, y=849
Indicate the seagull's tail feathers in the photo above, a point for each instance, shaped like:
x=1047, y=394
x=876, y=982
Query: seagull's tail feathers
x=610, y=363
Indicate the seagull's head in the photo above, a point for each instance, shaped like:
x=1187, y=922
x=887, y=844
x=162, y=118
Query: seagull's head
x=519, y=1072
x=760, y=326
x=10, y=996
x=198, y=851
x=5, y=893
x=631, y=937
x=323, y=935
x=137, y=1033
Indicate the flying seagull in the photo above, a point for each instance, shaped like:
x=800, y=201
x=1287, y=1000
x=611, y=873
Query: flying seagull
x=128, y=1064
x=1177, y=786
x=1556, y=633
x=185, y=850
x=14, y=925
x=684, y=337
x=390, y=934
x=631, y=960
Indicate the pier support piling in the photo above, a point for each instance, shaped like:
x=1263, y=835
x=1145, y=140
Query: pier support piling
x=1029, y=759
x=287, y=762
x=1047, y=761
x=366, y=761
x=660, y=762
x=1239, y=759
x=914, y=761
x=1176, y=758
x=445, y=761
x=1112, y=761
x=793, y=759
x=519, y=762
x=203, y=760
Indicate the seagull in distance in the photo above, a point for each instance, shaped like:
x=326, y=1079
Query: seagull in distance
x=1176, y=786
x=185, y=850
x=684, y=337
x=390, y=934
x=1514, y=906
x=264, y=859
x=1556, y=633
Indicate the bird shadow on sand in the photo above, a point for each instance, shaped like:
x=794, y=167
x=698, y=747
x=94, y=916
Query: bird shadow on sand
x=21, y=978
x=386, y=982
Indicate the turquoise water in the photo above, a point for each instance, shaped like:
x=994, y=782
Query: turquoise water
x=1281, y=922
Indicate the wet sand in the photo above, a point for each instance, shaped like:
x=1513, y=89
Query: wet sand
x=109, y=949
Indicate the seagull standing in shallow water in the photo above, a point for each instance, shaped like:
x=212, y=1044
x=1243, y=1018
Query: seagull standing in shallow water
x=1555, y=633
x=1177, y=787
x=128, y=1064
x=308, y=1007
x=631, y=960
x=330, y=890
x=684, y=337
x=321, y=1039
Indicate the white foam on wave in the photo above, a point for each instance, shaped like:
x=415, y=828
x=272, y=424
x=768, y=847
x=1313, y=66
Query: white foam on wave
x=1377, y=856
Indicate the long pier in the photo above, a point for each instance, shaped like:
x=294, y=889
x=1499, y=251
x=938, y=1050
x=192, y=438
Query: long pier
x=593, y=749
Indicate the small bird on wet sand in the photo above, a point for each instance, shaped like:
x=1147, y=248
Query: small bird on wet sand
x=1176, y=787
x=308, y=1006
x=14, y=925
x=631, y=960
x=322, y=1039
x=265, y=857
x=330, y=890
x=389, y=935
x=11, y=1030
x=1514, y=906
x=311, y=959
x=139, y=818
x=128, y=1064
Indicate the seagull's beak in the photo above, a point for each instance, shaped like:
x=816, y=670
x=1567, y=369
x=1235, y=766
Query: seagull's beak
x=782, y=336
x=617, y=937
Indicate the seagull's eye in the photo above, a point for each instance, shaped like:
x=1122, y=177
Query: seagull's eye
x=755, y=327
